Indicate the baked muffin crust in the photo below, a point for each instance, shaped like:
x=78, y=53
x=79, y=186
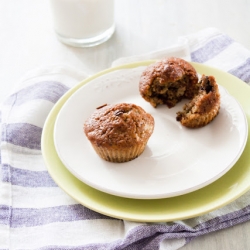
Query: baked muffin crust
x=118, y=129
x=168, y=81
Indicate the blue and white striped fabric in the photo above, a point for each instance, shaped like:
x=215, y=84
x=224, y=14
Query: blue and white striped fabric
x=36, y=214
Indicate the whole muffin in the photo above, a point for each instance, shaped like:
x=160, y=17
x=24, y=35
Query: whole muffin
x=168, y=81
x=204, y=107
x=119, y=132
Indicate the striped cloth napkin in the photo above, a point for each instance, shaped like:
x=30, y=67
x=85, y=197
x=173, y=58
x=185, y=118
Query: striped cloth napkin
x=36, y=214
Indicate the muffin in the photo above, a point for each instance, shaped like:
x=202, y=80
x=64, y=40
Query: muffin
x=119, y=132
x=204, y=107
x=168, y=81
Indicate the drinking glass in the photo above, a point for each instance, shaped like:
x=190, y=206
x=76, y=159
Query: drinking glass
x=83, y=23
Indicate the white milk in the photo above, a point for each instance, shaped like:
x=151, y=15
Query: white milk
x=85, y=20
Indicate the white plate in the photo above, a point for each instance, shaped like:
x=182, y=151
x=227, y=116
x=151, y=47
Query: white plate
x=176, y=160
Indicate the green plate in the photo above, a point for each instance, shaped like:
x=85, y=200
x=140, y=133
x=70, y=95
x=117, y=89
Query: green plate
x=221, y=192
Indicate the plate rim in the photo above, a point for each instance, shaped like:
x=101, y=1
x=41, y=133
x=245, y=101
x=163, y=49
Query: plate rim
x=55, y=166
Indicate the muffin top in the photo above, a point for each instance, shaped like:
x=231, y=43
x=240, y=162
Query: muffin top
x=162, y=71
x=119, y=125
x=167, y=71
x=190, y=74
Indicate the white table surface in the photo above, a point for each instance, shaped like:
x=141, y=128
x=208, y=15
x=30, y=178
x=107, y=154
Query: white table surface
x=27, y=41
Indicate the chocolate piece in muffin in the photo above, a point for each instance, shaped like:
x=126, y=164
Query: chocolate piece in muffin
x=204, y=107
x=120, y=132
x=168, y=81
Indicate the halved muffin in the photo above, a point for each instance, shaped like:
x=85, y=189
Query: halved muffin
x=204, y=107
x=168, y=81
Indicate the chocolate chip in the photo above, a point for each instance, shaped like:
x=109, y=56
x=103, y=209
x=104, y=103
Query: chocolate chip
x=118, y=112
x=207, y=85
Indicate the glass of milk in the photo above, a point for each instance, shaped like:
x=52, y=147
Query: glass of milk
x=83, y=23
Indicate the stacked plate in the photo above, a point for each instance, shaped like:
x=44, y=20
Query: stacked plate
x=181, y=174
